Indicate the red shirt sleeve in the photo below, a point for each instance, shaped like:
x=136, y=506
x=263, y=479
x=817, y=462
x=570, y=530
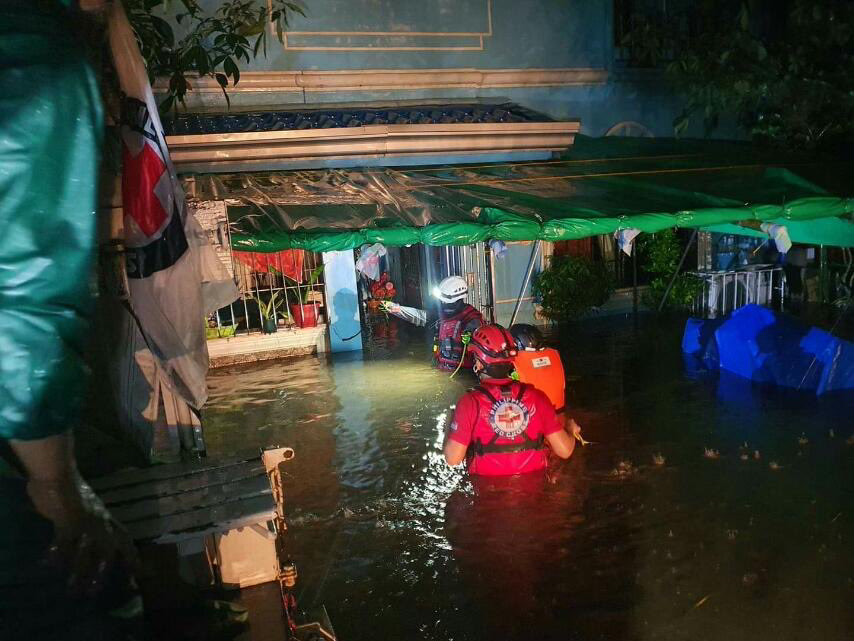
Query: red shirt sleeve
x=465, y=417
x=546, y=414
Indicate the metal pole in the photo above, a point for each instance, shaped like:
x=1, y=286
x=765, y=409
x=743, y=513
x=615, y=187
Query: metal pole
x=823, y=276
x=678, y=269
x=528, y=272
x=635, y=281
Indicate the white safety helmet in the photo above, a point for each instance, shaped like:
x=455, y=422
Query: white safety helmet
x=451, y=289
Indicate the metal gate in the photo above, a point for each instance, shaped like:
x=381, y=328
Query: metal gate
x=725, y=291
x=508, y=276
x=472, y=262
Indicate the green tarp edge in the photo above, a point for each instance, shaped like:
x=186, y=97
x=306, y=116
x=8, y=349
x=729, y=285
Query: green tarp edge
x=507, y=226
x=836, y=232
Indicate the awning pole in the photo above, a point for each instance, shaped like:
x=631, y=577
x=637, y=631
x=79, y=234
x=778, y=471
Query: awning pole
x=634, y=281
x=530, y=269
x=678, y=269
x=823, y=276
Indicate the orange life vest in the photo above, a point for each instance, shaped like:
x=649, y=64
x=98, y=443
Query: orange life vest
x=544, y=370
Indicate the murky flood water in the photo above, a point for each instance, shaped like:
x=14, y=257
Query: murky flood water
x=641, y=535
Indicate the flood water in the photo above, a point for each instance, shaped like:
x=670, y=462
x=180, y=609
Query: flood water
x=754, y=543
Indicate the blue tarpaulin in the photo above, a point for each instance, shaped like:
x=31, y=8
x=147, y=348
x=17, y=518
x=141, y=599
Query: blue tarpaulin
x=767, y=347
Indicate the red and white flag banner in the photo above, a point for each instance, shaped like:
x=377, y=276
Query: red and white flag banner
x=174, y=276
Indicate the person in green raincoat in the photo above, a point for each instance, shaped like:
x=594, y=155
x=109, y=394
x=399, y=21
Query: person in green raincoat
x=51, y=125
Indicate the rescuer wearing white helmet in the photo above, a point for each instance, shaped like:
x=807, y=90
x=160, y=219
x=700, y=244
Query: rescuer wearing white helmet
x=456, y=319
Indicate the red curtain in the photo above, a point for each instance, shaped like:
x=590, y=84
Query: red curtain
x=288, y=262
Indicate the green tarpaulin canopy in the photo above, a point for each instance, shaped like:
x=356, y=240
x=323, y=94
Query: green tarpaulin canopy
x=599, y=186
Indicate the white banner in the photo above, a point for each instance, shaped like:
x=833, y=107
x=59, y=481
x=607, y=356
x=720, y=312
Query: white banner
x=174, y=276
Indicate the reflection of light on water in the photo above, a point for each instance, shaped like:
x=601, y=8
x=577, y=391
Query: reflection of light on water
x=441, y=420
x=385, y=538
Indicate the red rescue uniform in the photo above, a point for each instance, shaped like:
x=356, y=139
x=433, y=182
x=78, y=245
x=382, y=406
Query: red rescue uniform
x=449, y=338
x=504, y=424
x=544, y=370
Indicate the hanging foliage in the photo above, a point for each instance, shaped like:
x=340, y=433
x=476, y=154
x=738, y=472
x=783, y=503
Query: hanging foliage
x=211, y=43
x=783, y=68
x=572, y=286
x=660, y=254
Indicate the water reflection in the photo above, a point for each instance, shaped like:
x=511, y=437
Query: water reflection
x=611, y=545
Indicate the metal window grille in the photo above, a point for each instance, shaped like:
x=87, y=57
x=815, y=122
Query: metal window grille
x=260, y=285
x=725, y=291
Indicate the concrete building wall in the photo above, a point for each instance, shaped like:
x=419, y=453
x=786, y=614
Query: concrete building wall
x=555, y=56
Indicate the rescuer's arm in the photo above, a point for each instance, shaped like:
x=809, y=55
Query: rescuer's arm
x=559, y=440
x=455, y=453
x=86, y=543
x=561, y=443
x=409, y=314
x=459, y=432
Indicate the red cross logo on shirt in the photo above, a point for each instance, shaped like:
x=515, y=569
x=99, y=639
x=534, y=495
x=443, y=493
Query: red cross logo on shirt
x=509, y=418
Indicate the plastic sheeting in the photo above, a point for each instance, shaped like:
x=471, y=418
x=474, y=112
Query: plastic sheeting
x=768, y=347
x=600, y=186
x=50, y=137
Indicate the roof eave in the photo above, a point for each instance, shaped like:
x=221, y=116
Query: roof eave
x=254, y=151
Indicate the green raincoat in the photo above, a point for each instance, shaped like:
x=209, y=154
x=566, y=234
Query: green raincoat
x=50, y=136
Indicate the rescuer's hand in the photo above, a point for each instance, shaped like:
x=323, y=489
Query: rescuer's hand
x=87, y=543
x=574, y=430
x=389, y=306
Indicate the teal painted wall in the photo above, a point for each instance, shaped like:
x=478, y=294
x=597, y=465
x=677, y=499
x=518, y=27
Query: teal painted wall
x=507, y=34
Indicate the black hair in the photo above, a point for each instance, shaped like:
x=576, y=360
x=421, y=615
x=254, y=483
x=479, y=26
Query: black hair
x=498, y=370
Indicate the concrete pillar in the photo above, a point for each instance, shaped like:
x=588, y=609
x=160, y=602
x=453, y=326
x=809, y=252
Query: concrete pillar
x=342, y=301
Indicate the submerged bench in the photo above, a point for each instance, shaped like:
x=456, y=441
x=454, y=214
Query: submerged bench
x=220, y=514
x=179, y=501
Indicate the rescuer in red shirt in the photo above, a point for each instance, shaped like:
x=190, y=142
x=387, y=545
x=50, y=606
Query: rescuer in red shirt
x=455, y=319
x=503, y=427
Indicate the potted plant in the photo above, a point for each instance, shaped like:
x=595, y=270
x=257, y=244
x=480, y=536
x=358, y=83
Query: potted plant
x=303, y=313
x=222, y=332
x=267, y=310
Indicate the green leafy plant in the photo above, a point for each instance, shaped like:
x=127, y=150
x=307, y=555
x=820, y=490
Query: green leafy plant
x=660, y=253
x=267, y=308
x=784, y=70
x=211, y=42
x=312, y=279
x=570, y=287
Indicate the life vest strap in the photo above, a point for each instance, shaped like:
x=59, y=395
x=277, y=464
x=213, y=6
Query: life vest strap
x=479, y=448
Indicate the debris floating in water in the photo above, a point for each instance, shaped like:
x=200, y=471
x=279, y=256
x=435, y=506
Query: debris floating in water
x=774, y=465
x=831, y=433
x=702, y=601
x=658, y=459
x=802, y=439
x=623, y=469
x=749, y=579
x=850, y=440
x=756, y=455
x=710, y=453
